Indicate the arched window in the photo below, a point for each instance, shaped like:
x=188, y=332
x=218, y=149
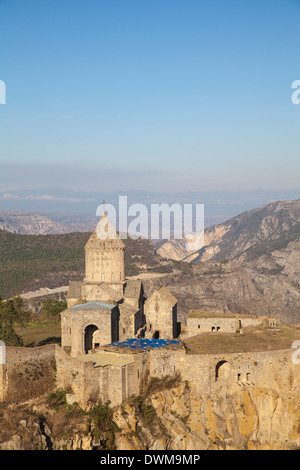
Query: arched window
x=222, y=370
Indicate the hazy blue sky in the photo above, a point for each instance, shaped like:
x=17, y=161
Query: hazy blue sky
x=151, y=94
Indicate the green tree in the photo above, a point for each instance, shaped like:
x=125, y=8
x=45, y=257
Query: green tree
x=12, y=311
x=52, y=308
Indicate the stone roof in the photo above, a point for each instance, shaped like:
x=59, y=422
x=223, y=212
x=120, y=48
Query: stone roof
x=108, y=292
x=93, y=305
x=98, y=241
x=167, y=295
x=133, y=288
x=102, y=359
x=127, y=309
x=74, y=290
x=164, y=292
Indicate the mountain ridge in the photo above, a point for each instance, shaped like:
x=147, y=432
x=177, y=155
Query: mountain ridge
x=256, y=270
x=232, y=238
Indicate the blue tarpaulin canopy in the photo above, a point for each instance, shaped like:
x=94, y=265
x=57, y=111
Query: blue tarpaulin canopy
x=145, y=343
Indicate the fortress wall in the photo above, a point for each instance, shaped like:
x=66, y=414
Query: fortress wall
x=117, y=383
x=138, y=373
x=220, y=374
x=112, y=383
x=77, y=376
x=29, y=372
x=166, y=362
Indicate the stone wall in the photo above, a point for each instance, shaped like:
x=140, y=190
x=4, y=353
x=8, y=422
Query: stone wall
x=109, y=383
x=196, y=326
x=209, y=373
x=31, y=372
x=28, y=372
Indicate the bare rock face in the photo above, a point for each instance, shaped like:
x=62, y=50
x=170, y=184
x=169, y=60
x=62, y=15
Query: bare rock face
x=256, y=419
x=251, y=417
x=38, y=224
x=278, y=221
x=250, y=264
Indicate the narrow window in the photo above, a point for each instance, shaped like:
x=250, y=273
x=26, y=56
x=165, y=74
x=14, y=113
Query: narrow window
x=102, y=277
x=112, y=276
x=199, y=326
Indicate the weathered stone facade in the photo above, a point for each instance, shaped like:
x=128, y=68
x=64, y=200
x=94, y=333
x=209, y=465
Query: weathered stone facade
x=106, y=307
x=89, y=325
x=196, y=325
x=31, y=372
x=161, y=314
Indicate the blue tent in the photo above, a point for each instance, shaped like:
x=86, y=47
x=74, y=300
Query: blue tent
x=144, y=344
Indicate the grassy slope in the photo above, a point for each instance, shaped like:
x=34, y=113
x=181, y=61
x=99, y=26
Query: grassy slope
x=24, y=258
x=37, y=334
x=259, y=338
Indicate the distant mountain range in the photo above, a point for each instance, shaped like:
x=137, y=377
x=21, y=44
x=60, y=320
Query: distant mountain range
x=248, y=235
x=219, y=205
x=39, y=224
x=249, y=264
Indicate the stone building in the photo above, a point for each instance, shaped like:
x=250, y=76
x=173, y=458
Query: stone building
x=209, y=322
x=161, y=314
x=106, y=307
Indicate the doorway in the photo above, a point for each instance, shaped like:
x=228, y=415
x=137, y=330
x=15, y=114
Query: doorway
x=88, y=337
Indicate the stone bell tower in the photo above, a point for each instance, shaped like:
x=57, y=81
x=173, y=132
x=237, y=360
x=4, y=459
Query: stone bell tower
x=104, y=257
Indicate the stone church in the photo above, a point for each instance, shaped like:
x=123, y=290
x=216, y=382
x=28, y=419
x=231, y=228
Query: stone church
x=106, y=307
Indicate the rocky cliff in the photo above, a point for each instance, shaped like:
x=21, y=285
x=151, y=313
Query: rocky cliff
x=169, y=419
x=250, y=264
x=267, y=227
x=250, y=419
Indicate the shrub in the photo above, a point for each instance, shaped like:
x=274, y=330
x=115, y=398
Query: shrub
x=104, y=427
